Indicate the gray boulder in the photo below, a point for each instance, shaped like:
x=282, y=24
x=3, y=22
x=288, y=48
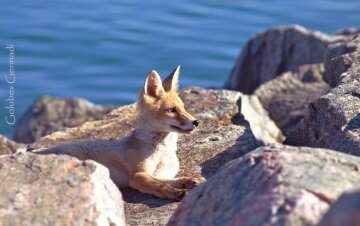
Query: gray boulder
x=269, y=54
x=284, y=67
x=57, y=190
x=286, y=97
x=273, y=185
x=50, y=114
x=333, y=120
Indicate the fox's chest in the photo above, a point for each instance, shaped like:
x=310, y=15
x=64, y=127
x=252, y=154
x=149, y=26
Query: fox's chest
x=163, y=162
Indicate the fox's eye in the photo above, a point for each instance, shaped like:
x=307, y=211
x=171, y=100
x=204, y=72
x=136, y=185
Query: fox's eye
x=171, y=110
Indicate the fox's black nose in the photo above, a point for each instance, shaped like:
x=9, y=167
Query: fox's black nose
x=196, y=123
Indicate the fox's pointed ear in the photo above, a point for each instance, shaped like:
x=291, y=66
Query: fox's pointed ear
x=171, y=82
x=152, y=86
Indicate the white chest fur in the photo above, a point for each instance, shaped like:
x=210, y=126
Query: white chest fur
x=163, y=162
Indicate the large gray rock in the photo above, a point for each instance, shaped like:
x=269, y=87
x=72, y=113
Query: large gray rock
x=345, y=211
x=8, y=146
x=269, y=54
x=223, y=135
x=286, y=97
x=57, y=190
x=273, y=185
x=333, y=120
x=341, y=56
x=50, y=114
x=284, y=67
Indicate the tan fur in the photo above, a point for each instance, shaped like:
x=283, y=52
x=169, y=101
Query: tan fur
x=145, y=160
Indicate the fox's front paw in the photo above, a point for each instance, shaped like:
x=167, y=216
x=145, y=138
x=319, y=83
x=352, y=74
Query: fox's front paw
x=190, y=182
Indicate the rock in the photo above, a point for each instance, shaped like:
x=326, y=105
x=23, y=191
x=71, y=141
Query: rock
x=286, y=97
x=273, y=52
x=57, y=190
x=340, y=57
x=8, y=146
x=348, y=31
x=284, y=67
x=49, y=114
x=273, y=185
x=333, y=120
x=345, y=211
x=223, y=135
x=262, y=126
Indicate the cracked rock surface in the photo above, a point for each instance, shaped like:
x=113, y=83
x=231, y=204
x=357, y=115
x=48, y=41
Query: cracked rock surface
x=272, y=185
x=57, y=190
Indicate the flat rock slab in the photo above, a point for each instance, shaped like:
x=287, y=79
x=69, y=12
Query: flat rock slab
x=57, y=190
x=222, y=135
x=273, y=185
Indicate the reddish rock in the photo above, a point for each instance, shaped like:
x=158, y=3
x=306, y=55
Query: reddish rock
x=269, y=54
x=333, y=120
x=57, y=190
x=286, y=97
x=344, y=212
x=273, y=185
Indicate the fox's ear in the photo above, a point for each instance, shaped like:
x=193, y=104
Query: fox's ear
x=171, y=82
x=152, y=86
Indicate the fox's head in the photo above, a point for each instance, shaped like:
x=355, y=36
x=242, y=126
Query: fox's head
x=160, y=108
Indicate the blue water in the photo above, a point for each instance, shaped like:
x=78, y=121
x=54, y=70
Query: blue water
x=102, y=50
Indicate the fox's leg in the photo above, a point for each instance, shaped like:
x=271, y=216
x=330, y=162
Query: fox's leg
x=168, y=168
x=184, y=182
x=119, y=177
x=144, y=182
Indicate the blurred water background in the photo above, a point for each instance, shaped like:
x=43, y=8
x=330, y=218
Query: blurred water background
x=102, y=50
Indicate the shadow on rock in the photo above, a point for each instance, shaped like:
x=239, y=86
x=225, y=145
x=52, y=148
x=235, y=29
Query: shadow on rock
x=133, y=196
x=210, y=166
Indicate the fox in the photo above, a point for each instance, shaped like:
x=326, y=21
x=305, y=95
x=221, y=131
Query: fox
x=146, y=159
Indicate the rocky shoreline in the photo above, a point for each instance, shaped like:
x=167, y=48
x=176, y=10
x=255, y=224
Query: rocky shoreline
x=281, y=148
